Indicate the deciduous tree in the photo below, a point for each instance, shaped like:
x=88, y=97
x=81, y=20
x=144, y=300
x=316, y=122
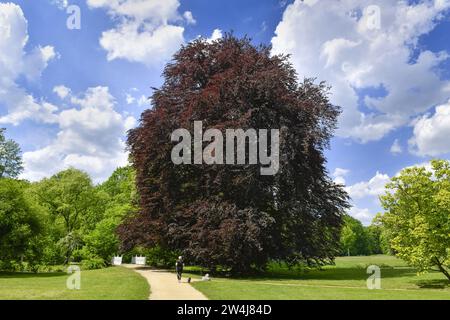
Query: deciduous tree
x=19, y=222
x=231, y=215
x=417, y=216
x=74, y=203
x=354, y=238
x=10, y=158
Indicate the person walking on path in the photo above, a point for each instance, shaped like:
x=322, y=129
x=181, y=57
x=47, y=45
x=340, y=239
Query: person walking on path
x=179, y=268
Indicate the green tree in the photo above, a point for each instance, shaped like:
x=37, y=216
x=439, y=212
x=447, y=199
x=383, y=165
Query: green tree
x=121, y=186
x=10, y=159
x=354, y=239
x=373, y=234
x=417, y=216
x=19, y=223
x=102, y=241
x=233, y=216
x=378, y=237
x=73, y=202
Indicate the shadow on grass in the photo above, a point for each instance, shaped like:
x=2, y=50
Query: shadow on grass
x=25, y=275
x=356, y=273
x=334, y=274
x=155, y=269
x=433, y=284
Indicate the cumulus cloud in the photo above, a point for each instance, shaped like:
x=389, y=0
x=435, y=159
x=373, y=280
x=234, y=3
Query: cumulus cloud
x=339, y=175
x=144, y=32
x=396, y=148
x=365, y=197
x=90, y=138
x=62, y=91
x=372, y=188
x=61, y=4
x=216, y=34
x=143, y=101
x=189, y=17
x=364, y=215
x=367, y=44
x=16, y=62
x=139, y=100
x=431, y=133
x=130, y=99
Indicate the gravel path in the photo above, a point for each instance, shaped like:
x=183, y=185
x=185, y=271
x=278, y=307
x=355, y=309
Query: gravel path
x=164, y=285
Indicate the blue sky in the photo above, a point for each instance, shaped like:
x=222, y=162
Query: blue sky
x=68, y=96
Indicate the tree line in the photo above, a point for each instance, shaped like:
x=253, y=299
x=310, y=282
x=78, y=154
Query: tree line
x=359, y=240
x=63, y=219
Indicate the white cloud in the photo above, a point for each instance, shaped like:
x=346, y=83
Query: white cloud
x=62, y=91
x=143, y=101
x=90, y=138
x=130, y=99
x=61, y=4
x=130, y=123
x=339, y=42
x=37, y=61
x=339, y=175
x=140, y=101
x=216, y=34
x=340, y=172
x=15, y=62
x=396, y=148
x=432, y=132
x=372, y=188
x=365, y=197
x=189, y=17
x=144, y=32
x=362, y=214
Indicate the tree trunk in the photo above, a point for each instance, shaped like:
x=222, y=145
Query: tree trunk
x=442, y=268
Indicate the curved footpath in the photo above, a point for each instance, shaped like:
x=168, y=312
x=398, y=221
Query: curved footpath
x=164, y=285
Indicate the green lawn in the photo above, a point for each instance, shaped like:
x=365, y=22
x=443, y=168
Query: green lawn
x=115, y=283
x=346, y=280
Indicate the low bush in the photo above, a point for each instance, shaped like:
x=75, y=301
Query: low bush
x=93, y=263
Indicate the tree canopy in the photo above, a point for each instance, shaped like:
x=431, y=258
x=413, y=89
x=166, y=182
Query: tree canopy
x=19, y=222
x=354, y=238
x=359, y=240
x=230, y=215
x=417, y=216
x=73, y=202
x=10, y=158
x=103, y=240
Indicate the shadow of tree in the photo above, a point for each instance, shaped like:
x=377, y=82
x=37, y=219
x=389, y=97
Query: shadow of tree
x=30, y=274
x=433, y=284
x=335, y=274
x=354, y=273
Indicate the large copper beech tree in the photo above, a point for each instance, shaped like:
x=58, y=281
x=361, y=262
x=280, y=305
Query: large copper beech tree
x=231, y=215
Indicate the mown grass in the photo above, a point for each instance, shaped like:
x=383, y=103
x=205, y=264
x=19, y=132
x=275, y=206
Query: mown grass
x=115, y=283
x=346, y=280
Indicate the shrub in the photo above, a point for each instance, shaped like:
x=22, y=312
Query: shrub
x=93, y=263
x=159, y=257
